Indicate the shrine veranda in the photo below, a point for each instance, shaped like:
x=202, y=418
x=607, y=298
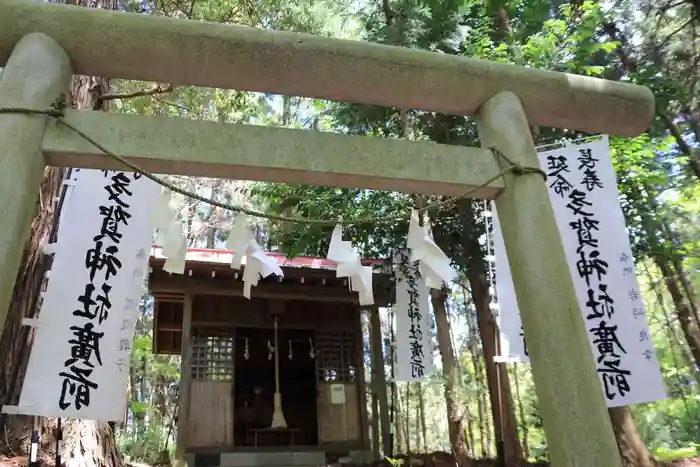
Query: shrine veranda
x=43, y=45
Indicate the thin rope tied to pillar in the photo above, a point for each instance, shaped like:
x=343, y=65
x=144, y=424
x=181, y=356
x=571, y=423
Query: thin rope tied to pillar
x=516, y=167
x=57, y=111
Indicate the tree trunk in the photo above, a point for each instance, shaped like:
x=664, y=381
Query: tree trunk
x=505, y=425
x=521, y=414
x=90, y=444
x=160, y=405
x=133, y=392
x=379, y=379
x=399, y=425
x=371, y=387
x=16, y=339
x=394, y=439
x=211, y=221
x=633, y=451
x=673, y=338
x=662, y=256
x=480, y=402
x=687, y=288
x=407, y=418
x=470, y=436
x=419, y=431
x=680, y=274
x=455, y=410
x=421, y=417
x=376, y=450
x=683, y=311
x=473, y=346
x=486, y=417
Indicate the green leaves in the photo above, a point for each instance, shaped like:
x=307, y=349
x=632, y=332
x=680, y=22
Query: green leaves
x=374, y=240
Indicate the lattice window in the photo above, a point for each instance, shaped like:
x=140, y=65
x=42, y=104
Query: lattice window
x=336, y=356
x=212, y=358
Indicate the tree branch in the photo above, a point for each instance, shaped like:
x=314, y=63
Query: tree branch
x=630, y=65
x=173, y=104
x=675, y=31
x=130, y=95
x=693, y=159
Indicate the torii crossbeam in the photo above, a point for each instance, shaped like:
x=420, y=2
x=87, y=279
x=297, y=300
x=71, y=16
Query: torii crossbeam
x=42, y=45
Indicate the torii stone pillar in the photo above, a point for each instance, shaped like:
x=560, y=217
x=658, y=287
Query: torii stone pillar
x=37, y=73
x=574, y=414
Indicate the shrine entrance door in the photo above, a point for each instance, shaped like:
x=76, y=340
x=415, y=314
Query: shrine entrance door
x=254, y=388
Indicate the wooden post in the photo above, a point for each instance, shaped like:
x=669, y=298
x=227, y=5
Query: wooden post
x=362, y=383
x=183, y=418
x=576, y=421
x=37, y=73
x=379, y=377
x=376, y=450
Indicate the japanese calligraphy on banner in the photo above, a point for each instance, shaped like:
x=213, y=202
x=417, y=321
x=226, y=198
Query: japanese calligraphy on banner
x=79, y=363
x=584, y=196
x=414, y=345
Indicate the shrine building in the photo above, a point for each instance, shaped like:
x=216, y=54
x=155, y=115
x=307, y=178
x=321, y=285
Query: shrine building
x=228, y=379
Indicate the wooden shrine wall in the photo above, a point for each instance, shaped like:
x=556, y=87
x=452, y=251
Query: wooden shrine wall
x=167, y=325
x=211, y=372
x=222, y=312
x=338, y=363
x=211, y=414
x=211, y=311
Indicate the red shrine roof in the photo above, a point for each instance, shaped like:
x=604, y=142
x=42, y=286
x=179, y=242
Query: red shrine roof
x=212, y=256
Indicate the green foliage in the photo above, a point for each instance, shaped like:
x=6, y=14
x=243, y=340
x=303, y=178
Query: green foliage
x=318, y=202
x=147, y=447
x=668, y=455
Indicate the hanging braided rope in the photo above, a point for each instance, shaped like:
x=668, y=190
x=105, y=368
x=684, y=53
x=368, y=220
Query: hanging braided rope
x=57, y=111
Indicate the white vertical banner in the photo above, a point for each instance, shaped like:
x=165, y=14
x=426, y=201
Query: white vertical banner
x=584, y=196
x=79, y=362
x=513, y=346
x=414, y=343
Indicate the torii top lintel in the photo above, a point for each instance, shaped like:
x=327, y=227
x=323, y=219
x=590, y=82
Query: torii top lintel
x=161, y=49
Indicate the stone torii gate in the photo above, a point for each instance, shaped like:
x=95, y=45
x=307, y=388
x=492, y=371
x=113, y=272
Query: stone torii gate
x=42, y=45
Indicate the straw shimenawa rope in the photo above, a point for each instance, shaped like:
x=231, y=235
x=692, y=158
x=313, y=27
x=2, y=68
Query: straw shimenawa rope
x=57, y=111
